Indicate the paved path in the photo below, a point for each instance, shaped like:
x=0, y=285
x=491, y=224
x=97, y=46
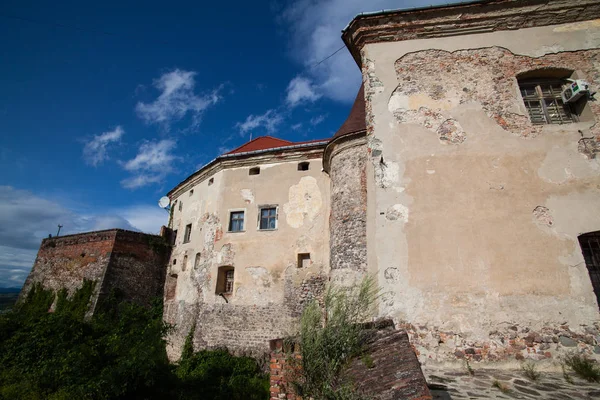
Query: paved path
x=455, y=384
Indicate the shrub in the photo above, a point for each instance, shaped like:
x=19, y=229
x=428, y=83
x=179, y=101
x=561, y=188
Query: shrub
x=330, y=337
x=583, y=367
x=530, y=371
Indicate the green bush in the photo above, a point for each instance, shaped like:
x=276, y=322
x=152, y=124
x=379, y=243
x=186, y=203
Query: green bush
x=330, y=337
x=118, y=354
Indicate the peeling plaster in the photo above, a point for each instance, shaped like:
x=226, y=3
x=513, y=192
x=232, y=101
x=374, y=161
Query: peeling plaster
x=247, y=195
x=305, y=202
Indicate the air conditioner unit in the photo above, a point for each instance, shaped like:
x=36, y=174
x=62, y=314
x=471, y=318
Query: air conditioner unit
x=575, y=90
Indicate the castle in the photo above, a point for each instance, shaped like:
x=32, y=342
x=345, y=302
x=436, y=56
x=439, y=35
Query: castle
x=463, y=180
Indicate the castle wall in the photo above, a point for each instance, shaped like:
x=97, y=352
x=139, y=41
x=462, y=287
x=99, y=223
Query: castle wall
x=113, y=259
x=474, y=212
x=269, y=288
x=137, y=267
x=66, y=261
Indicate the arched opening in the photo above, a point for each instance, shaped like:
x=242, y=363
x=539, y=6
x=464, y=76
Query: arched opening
x=184, y=264
x=197, y=261
x=225, y=279
x=590, y=247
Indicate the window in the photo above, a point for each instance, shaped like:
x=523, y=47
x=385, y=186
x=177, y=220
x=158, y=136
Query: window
x=303, y=260
x=268, y=218
x=590, y=247
x=188, y=233
x=543, y=101
x=254, y=171
x=225, y=280
x=180, y=205
x=174, y=261
x=236, y=221
x=191, y=192
x=303, y=166
x=211, y=181
x=174, y=237
x=184, y=264
x=197, y=261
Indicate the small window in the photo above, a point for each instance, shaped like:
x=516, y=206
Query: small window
x=197, y=261
x=211, y=181
x=184, y=264
x=544, y=103
x=174, y=261
x=225, y=280
x=180, y=205
x=174, y=238
x=188, y=233
x=268, y=218
x=303, y=260
x=236, y=221
x=254, y=171
x=191, y=192
x=303, y=166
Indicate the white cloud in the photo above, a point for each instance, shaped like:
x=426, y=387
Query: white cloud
x=296, y=127
x=95, y=151
x=301, y=90
x=152, y=164
x=268, y=121
x=25, y=219
x=177, y=99
x=315, y=33
x=318, y=119
x=146, y=218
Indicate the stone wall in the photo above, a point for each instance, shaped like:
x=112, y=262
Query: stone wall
x=348, y=218
x=131, y=262
x=388, y=369
x=66, y=261
x=474, y=212
x=137, y=267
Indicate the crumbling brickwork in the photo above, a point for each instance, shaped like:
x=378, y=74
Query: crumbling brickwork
x=391, y=372
x=131, y=263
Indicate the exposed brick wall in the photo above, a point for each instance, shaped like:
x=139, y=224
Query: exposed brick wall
x=441, y=74
x=137, y=267
x=393, y=370
x=64, y=262
x=132, y=262
x=348, y=220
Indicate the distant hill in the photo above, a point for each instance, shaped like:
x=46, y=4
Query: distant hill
x=10, y=290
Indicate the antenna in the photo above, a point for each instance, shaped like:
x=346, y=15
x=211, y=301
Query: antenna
x=164, y=202
x=59, y=226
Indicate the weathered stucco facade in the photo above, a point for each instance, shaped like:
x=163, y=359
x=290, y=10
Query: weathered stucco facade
x=270, y=282
x=473, y=212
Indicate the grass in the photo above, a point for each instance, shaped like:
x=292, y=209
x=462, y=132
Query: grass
x=530, y=371
x=500, y=386
x=583, y=367
x=469, y=368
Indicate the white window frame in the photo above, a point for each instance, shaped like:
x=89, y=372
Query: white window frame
x=262, y=207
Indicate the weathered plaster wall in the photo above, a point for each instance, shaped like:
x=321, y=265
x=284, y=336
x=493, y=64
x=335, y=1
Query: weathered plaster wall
x=269, y=288
x=348, y=218
x=474, y=212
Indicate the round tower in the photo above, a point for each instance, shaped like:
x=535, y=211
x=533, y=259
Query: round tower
x=344, y=159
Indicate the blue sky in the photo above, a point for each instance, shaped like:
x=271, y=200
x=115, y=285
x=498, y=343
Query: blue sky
x=105, y=106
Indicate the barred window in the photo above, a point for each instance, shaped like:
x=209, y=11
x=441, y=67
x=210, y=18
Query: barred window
x=225, y=280
x=544, y=102
x=229, y=281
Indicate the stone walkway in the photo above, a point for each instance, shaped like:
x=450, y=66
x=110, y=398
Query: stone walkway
x=448, y=384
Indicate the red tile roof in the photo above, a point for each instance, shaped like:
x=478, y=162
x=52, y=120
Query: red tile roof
x=356, y=120
x=267, y=142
